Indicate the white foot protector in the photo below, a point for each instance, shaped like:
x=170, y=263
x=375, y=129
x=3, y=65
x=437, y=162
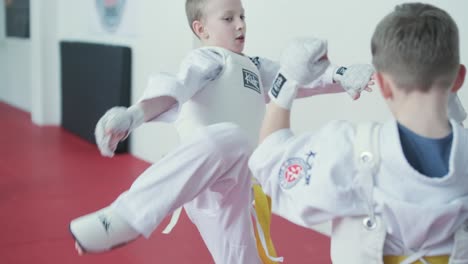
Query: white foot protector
x=101, y=231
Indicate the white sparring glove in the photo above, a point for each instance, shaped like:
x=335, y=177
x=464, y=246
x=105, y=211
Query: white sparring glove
x=354, y=78
x=115, y=125
x=302, y=61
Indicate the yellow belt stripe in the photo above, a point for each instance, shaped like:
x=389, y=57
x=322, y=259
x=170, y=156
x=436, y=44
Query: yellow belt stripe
x=432, y=260
x=263, y=210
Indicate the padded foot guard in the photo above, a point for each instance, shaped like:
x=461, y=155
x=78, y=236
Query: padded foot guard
x=101, y=231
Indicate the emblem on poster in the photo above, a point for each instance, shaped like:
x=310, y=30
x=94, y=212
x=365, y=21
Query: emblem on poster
x=110, y=13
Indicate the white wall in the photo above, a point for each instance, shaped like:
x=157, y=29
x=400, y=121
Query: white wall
x=44, y=61
x=29, y=69
x=25, y=70
x=15, y=71
x=159, y=38
x=348, y=26
x=15, y=57
x=2, y=55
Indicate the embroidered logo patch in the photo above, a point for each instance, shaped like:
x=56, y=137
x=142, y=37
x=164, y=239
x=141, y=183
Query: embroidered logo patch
x=251, y=80
x=277, y=85
x=292, y=171
x=341, y=70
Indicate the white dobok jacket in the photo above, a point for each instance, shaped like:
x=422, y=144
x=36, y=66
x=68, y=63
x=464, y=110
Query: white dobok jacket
x=312, y=178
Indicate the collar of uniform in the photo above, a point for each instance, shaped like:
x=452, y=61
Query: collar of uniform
x=395, y=161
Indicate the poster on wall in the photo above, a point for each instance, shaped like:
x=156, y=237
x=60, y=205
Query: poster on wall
x=113, y=17
x=17, y=18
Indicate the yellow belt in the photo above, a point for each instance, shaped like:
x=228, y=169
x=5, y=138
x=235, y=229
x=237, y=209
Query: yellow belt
x=432, y=260
x=263, y=210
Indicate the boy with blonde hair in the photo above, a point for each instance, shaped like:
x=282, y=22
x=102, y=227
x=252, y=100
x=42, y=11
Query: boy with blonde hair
x=217, y=101
x=395, y=192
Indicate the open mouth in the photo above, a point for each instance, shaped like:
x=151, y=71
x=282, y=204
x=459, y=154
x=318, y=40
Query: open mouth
x=241, y=38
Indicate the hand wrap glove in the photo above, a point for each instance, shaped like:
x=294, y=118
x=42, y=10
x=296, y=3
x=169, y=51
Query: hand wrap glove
x=115, y=125
x=302, y=61
x=354, y=78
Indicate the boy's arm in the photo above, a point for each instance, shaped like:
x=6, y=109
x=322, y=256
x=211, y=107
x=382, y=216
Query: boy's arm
x=199, y=68
x=276, y=118
x=117, y=123
x=302, y=61
x=161, y=101
x=336, y=79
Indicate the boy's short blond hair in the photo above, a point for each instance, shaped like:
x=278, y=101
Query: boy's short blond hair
x=418, y=45
x=194, y=11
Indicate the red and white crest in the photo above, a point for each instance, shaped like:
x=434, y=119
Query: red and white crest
x=292, y=171
x=110, y=13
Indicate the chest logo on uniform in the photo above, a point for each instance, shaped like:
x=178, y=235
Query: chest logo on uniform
x=251, y=80
x=293, y=170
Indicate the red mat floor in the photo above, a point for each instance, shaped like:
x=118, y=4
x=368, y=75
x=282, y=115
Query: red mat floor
x=49, y=176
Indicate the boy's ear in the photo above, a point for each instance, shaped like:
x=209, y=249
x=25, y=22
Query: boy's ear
x=460, y=78
x=384, y=85
x=199, y=29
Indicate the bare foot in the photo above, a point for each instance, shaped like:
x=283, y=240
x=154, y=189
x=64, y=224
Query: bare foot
x=78, y=249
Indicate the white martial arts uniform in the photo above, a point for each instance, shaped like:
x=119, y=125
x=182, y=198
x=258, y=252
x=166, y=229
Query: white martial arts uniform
x=311, y=179
x=221, y=103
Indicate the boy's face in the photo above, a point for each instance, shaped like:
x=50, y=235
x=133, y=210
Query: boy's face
x=224, y=25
